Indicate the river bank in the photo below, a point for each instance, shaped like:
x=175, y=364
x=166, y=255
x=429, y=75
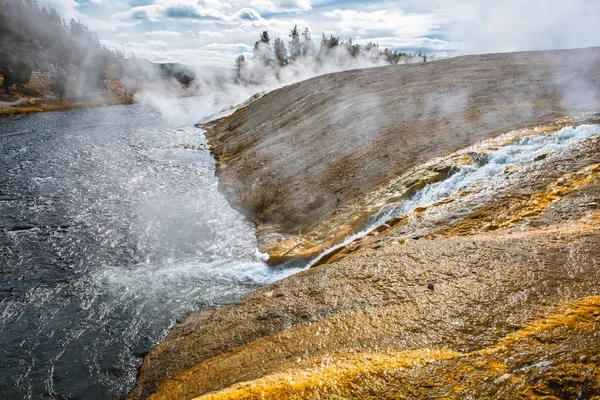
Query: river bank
x=37, y=96
x=461, y=200
x=447, y=283
x=302, y=161
x=111, y=229
x=32, y=106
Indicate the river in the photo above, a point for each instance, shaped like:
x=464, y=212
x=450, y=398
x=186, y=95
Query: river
x=111, y=228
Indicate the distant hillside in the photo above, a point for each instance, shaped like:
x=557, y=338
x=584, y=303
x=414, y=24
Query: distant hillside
x=38, y=39
x=44, y=57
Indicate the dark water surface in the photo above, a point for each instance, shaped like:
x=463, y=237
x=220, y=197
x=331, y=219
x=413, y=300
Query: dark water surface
x=111, y=227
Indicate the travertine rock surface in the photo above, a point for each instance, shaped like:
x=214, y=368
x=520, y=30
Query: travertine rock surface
x=300, y=160
x=490, y=292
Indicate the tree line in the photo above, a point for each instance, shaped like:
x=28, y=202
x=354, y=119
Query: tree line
x=301, y=49
x=37, y=38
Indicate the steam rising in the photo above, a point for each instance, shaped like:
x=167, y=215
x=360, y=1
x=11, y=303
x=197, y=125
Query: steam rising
x=513, y=25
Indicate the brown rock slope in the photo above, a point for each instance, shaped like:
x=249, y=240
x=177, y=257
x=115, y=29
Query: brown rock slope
x=491, y=293
x=299, y=160
x=553, y=358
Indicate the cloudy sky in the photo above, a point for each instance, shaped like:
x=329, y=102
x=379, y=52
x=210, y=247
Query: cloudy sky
x=213, y=32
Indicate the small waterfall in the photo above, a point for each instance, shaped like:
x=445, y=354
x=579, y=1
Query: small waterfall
x=518, y=152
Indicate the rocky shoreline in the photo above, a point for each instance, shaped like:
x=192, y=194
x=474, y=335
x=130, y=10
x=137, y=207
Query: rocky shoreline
x=488, y=292
x=301, y=161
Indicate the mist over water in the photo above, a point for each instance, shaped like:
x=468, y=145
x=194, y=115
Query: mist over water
x=111, y=227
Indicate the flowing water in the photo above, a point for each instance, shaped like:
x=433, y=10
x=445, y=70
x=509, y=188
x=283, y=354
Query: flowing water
x=111, y=227
x=521, y=151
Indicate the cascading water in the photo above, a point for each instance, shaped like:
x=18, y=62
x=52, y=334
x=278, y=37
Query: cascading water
x=111, y=227
x=521, y=151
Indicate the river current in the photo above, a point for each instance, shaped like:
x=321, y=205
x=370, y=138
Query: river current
x=111, y=228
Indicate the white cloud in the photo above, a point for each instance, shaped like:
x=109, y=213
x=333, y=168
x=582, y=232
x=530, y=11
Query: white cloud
x=441, y=26
x=216, y=4
x=397, y=21
x=66, y=8
x=281, y=6
x=70, y=9
x=228, y=46
x=163, y=10
x=162, y=33
x=157, y=43
x=147, y=45
x=210, y=34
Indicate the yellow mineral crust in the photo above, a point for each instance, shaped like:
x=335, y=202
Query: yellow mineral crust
x=351, y=218
x=444, y=314
x=507, y=211
x=444, y=373
x=389, y=336
x=522, y=207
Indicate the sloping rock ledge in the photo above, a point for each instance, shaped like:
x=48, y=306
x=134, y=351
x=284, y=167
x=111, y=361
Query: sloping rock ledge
x=491, y=293
x=301, y=161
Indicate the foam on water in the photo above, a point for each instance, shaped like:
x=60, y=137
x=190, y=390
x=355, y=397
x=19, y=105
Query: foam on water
x=525, y=149
x=111, y=228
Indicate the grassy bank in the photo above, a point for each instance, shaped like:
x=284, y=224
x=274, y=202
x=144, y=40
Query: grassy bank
x=32, y=106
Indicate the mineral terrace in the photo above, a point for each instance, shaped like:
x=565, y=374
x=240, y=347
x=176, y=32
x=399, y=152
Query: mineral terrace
x=490, y=291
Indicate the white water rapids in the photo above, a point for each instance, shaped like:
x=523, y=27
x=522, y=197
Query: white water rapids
x=523, y=150
x=111, y=228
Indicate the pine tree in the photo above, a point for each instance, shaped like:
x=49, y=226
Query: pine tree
x=15, y=72
x=33, y=36
x=295, y=45
x=264, y=38
x=371, y=50
x=240, y=66
x=280, y=52
x=372, y=47
x=328, y=44
x=262, y=50
x=308, y=47
x=353, y=49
